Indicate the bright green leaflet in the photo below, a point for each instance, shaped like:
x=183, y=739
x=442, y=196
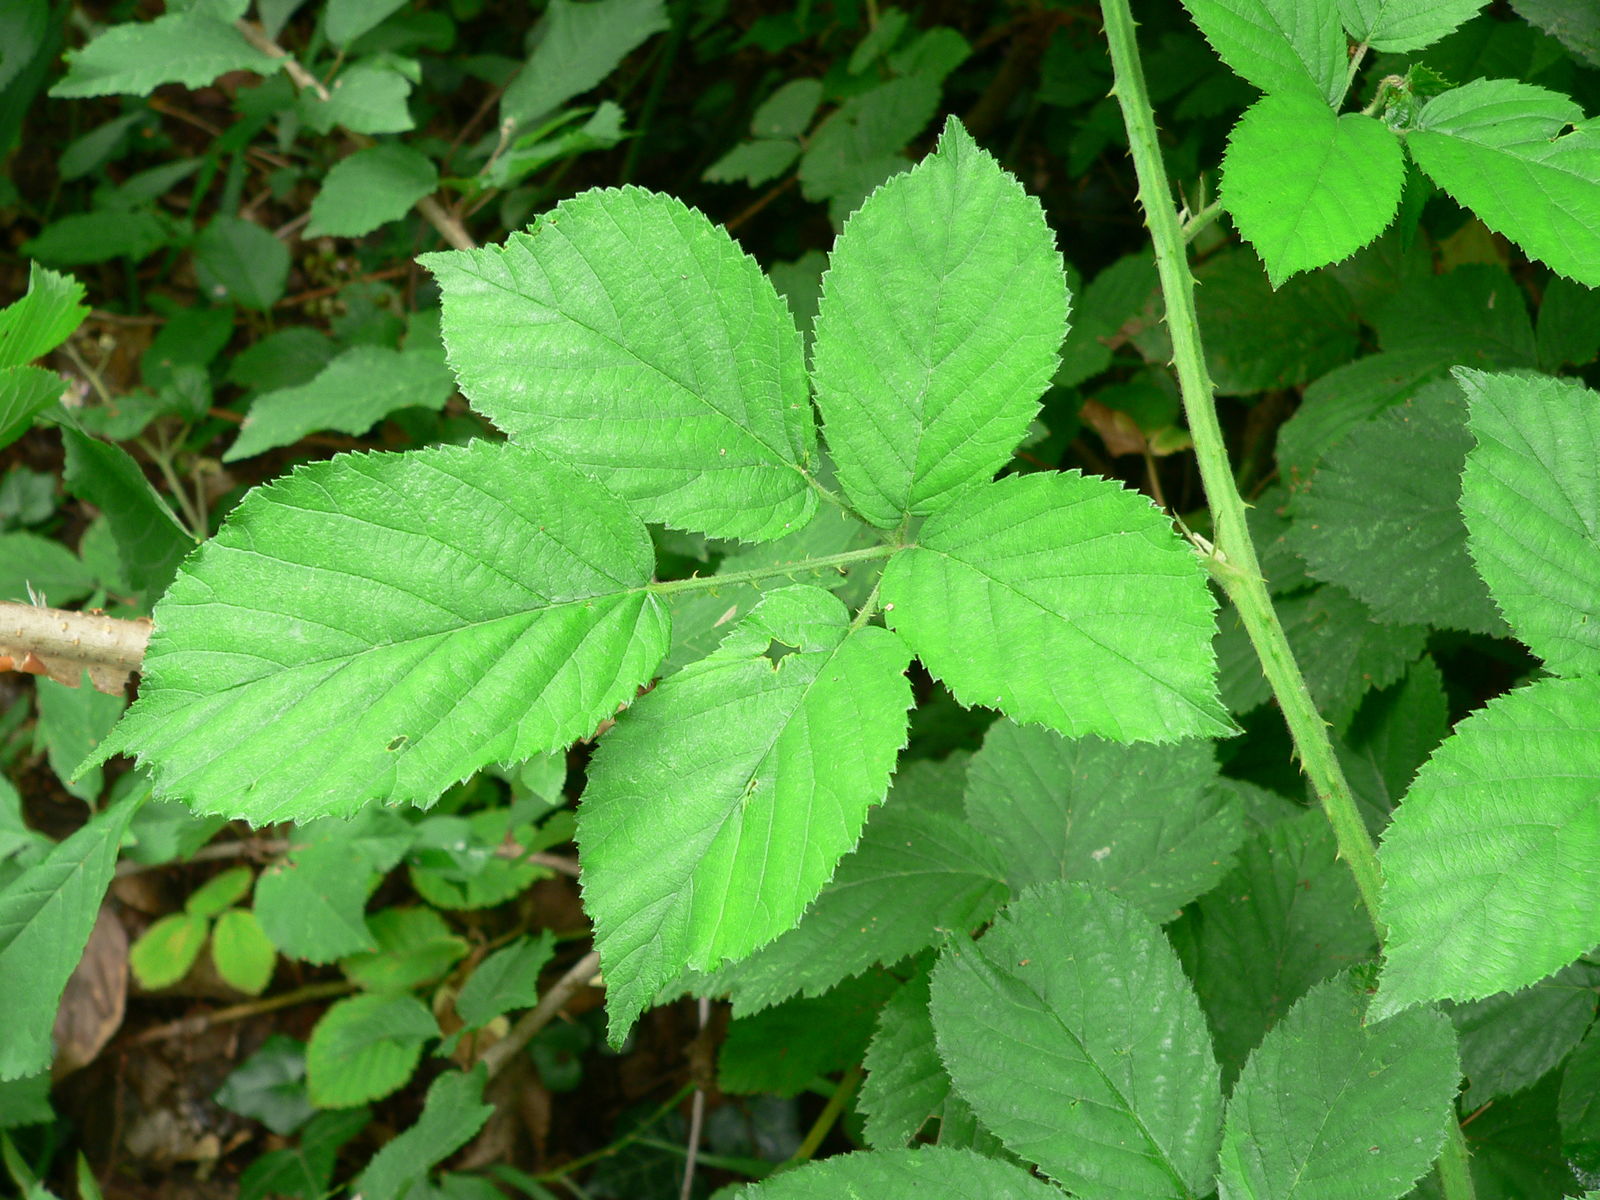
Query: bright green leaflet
x=1396, y=25
x=151, y=541
x=1071, y=1030
x=1112, y=606
x=507, y=979
x=942, y=311
x=723, y=800
x=1306, y=187
x=447, y=609
x=1382, y=518
x=579, y=45
x=190, y=48
x=1497, y=146
x=415, y=947
x=365, y=1047
x=929, y=1173
x=452, y=1113
x=351, y=394
x=1277, y=45
x=1149, y=823
x=165, y=952
x=630, y=337
x=220, y=892
x=366, y=98
x=916, y=874
x=372, y=186
x=46, y=915
x=1328, y=1108
x=25, y=392
x=45, y=317
x=1531, y=499
x=243, y=953
x=1492, y=864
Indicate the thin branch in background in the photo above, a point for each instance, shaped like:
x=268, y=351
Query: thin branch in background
x=500, y=1055
x=200, y=1022
x=697, y=1113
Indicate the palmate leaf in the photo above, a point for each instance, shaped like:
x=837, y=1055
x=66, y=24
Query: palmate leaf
x=1071, y=1031
x=378, y=627
x=1492, y=863
x=1329, y=1108
x=1531, y=499
x=1278, y=45
x=724, y=799
x=941, y=314
x=929, y=1172
x=1497, y=146
x=1111, y=605
x=1307, y=187
x=627, y=335
x=1395, y=25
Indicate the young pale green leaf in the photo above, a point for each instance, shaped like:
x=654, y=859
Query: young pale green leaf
x=365, y=1047
x=46, y=915
x=723, y=800
x=1328, y=1108
x=1392, y=26
x=1286, y=917
x=351, y=394
x=1071, y=1030
x=1492, y=863
x=415, y=947
x=928, y=1172
x=163, y=954
x=631, y=337
x=507, y=979
x=369, y=188
x=1150, y=823
x=1532, y=510
x=452, y=1112
x=220, y=892
x=1278, y=45
x=1497, y=146
x=579, y=45
x=1111, y=604
x=243, y=954
x=1307, y=187
x=942, y=311
x=151, y=541
x=447, y=609
x=1511, y=1040
x=191, y=48
x=1382, y=516
x=917, y=874
x=48, y=313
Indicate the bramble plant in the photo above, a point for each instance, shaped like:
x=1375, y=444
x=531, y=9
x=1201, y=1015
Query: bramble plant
x=1082, y=959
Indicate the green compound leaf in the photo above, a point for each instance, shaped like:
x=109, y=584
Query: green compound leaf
x=446, y=609
x=918, y=874
x=1396, y=25
x=46, y=316
x=1071, y=1030
x=351, y=394
x=1111, y=605
x=1329, y=1108
x=942, y=311
x=371, y=187
x=1532, y=510
x=452, y=1113
x=190, y=48
x=1151, y=824
x=1497, y=146
x=46, y=915
x=629, y=336
x=1278, y=45
x=1382, y=518
x=365, y=1047
x=723, y=800
x=928, y=1172
x=1307, y=187
x=1492, y=863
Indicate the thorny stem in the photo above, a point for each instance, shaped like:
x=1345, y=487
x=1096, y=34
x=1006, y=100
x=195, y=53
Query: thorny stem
x=1234, y=563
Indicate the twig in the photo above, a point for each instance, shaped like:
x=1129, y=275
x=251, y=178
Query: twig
x=697, y=1114
x=498, y=1056
x=249, y=848
x=450, y=229
x=64, y=644
x=188, y=1026
x=302, y=78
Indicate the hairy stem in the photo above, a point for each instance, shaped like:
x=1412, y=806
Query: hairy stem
x=1236, y=566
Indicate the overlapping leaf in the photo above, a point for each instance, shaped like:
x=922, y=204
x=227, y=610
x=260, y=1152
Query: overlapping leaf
x=1307, y=187
x=191, y=47
x=1396, y=25
x=724, y=799
x=445, y=609
x=1497, y=146
x=930, y=1172
x=941, y=314
x=452, y=1112
x=1071, y=1030
x=372, y=186
x=1111, y=605
x=1492, y=863
x=629, y=336
x=1278, y=45
x=1531, y=499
